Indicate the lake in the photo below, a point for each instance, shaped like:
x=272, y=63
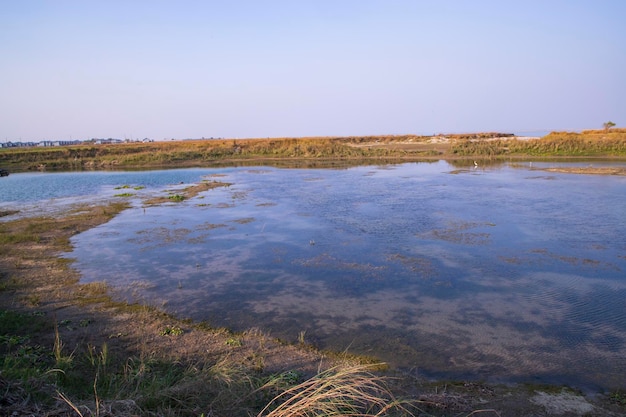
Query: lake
x=502, y=273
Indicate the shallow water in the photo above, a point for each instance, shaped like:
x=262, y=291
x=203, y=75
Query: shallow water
x=504, y=273
x=44, y=193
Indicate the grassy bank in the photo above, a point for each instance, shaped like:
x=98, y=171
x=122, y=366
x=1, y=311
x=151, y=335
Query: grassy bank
x=185, y=153
x=593, y=143
x=314, y=150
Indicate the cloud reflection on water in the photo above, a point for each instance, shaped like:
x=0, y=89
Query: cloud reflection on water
x=486, y=273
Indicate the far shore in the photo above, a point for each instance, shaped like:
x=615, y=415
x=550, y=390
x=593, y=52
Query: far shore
x=322, y=151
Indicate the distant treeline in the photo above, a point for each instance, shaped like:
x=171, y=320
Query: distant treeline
x=358, y=148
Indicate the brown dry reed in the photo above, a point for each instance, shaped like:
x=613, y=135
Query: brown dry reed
x=338, y=391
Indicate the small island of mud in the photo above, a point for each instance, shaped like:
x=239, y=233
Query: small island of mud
x=590, y=170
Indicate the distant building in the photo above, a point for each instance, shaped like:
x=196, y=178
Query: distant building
x=108, y=141
x=51, y=143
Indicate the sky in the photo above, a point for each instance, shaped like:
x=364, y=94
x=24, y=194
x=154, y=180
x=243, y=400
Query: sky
x=134, y=69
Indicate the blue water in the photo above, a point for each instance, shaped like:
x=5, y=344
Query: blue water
x=24, y=188
x=502, y=273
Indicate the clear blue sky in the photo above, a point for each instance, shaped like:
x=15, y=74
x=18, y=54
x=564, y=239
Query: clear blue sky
x=266, y=68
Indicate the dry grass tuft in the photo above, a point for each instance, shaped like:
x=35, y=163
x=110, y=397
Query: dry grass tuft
x=338, y=391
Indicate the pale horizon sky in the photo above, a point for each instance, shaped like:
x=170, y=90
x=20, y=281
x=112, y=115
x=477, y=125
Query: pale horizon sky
x=75, y=69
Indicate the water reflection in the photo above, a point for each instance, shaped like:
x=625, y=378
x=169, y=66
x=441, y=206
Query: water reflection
x=500, y=273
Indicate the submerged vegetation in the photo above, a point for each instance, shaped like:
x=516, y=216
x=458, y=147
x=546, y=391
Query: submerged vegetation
x=357, y=148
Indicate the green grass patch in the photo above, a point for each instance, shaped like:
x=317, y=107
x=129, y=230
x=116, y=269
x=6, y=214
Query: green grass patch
x=618, y=397
x=14, y=238
x=172, y=331
x=20, y=357
x=234, y=342
x=126, y=186
x=14, y=323
x=176, y=198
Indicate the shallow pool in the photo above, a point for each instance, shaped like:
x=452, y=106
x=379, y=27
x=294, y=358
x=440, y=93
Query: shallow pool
x=505, y=273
